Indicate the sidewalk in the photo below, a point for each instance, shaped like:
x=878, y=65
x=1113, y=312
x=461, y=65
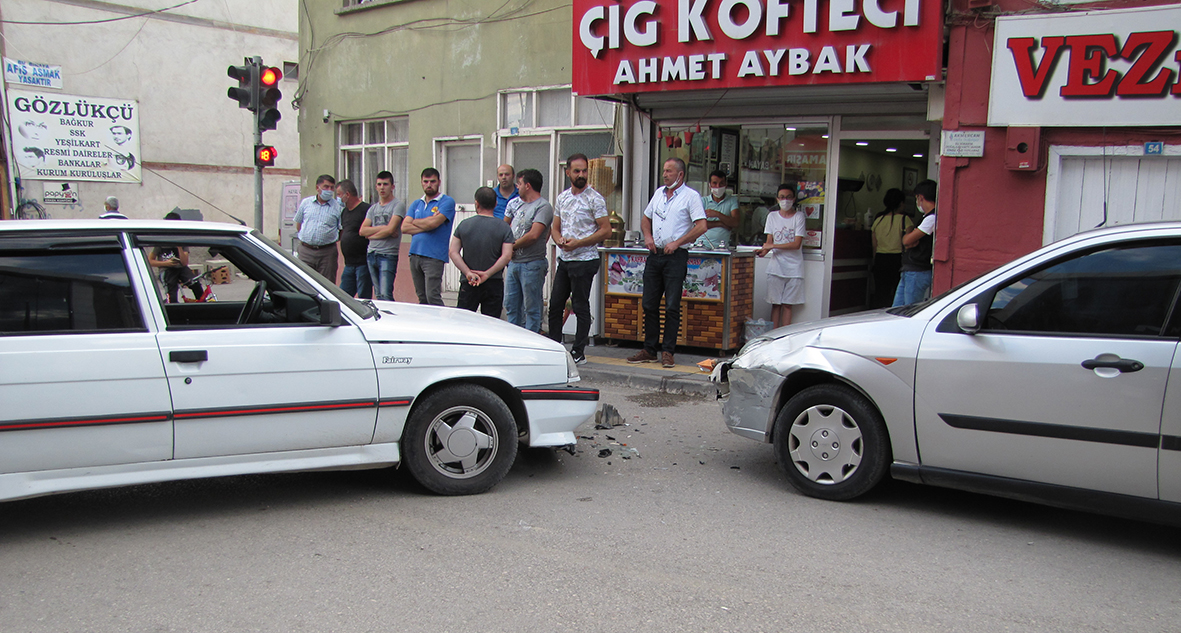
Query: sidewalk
x=608, y=364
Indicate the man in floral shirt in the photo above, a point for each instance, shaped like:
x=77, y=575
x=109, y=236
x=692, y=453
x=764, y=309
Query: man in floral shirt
x=580, y=225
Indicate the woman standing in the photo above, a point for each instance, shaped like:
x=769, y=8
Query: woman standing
x=888, y=228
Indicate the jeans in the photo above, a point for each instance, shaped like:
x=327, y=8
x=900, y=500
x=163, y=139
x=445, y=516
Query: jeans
x=354, y=280
x=523, y=283
x=427, y=273
x=573, y=280
x=382, y=269
x=664, y=276
x=913, y=287
x=487, y=297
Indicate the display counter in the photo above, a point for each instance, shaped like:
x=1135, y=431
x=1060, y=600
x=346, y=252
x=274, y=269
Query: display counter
x=717, y=299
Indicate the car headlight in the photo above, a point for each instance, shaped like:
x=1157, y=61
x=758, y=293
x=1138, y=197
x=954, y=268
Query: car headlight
x=571, y=370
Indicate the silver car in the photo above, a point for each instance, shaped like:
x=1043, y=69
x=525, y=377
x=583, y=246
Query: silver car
x=1047, y=379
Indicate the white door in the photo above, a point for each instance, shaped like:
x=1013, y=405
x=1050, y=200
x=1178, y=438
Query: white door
x=81, y=380
x=1065, y=382
x=279, y=381
x=1087, y=191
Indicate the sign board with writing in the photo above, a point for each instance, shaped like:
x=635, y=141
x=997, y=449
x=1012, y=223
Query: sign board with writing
x=963, y=143
x=66, y=137
x=22, y=73
x=622, y=46
x=1109, y=68
x=59, y=193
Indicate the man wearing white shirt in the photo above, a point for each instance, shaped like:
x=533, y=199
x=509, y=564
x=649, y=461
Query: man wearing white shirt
x=672, y=221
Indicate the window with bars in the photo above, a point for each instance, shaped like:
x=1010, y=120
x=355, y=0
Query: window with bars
x=370, y=147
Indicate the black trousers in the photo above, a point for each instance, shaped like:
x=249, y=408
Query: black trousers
x=573, y=281
x=664, y=276
x=487, y=297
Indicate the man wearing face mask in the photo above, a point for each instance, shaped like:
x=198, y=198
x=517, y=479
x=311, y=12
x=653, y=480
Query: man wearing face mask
x=317, y=225
x=915, y=284
x=580, y=225
x=720, y=212
x=673, y=219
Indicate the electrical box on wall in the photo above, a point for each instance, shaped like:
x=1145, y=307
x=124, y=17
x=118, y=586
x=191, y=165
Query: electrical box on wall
x=1023, y=148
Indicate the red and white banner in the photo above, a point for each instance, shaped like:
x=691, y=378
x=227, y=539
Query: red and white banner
x=625, y=46
x=1098, y=68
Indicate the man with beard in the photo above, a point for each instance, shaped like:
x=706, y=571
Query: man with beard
x=580, y=225
x=429, y=222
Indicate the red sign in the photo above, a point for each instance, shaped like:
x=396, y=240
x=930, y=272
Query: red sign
x=650, y=45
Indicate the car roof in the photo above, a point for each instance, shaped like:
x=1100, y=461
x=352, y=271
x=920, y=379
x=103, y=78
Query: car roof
x=117, y=225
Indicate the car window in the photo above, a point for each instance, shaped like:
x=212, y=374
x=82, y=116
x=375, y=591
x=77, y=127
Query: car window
x=218, y=282
x=1126, y=291
x=72, y=291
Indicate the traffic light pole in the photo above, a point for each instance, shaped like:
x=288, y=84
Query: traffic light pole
x=257, y=168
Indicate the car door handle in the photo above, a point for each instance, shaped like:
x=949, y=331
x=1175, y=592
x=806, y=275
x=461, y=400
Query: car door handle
x=188, y=356
x=1123, y=364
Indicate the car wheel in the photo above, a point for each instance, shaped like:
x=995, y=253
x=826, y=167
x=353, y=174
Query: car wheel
x=831, y=442
x=460, y=441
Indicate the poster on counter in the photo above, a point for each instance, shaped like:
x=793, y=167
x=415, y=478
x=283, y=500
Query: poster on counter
x=625, y=276
x=66, y=137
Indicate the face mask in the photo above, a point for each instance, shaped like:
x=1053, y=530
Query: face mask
x=717, y=192
x=785, y=204
x=918, y=205
x=326, y=195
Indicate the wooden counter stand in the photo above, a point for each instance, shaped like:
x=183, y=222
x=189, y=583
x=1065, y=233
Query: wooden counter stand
x=717, y=299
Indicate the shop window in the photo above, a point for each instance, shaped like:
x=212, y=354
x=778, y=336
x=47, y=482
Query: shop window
x=757, y=159
x=370, y=147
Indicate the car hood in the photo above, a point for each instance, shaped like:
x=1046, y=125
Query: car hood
x=870, y=316
x=414, y=323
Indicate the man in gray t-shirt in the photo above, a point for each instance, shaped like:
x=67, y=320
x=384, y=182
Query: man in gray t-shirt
x=481, y=247
x=530, y=216
x=383, y=227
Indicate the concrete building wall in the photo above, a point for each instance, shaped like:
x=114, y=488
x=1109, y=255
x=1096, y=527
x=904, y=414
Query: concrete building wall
x=439, y=62
x=196, y=145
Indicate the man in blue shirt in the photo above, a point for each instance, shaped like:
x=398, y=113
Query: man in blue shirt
x=428, y=221
x=506, y=176
x=317, y=225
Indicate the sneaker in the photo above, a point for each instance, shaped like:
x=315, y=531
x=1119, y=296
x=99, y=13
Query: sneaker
x=666, y=359
x=579, y=359
x=641, y=357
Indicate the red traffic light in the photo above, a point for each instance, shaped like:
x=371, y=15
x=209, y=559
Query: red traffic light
x=270, y=76
x=264, y=155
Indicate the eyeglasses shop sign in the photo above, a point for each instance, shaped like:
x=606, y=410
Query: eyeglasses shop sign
x=66, y=137
x=623, y=46
x=1098, y=68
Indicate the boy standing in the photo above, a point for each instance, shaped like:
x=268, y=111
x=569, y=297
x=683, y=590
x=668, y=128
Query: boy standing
x=785, y=272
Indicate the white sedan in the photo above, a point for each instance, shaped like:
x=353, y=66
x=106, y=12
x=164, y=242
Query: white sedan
x=105, y=383
x=1049, y=379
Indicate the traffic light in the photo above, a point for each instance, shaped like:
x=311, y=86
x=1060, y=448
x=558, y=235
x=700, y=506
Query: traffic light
x=268, y=97
x=264, y=155
x=246, y=94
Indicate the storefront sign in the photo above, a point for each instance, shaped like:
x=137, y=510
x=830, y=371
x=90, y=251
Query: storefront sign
x=20, y=72
x=963, y=143
x=59, y=193
x=66, y=137
x=651, y=45
x=1098, y=68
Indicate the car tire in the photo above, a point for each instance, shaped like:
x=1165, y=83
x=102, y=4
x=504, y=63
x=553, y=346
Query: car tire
x=831, y=442
x=461, y=440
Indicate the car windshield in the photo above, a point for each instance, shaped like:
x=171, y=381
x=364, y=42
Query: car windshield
x=365, y=310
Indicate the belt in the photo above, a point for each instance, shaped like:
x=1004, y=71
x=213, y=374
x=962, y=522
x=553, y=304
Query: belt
x=318, y=246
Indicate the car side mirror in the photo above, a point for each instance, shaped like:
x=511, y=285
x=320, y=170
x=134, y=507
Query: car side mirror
x=329, y=313
x=968, y=318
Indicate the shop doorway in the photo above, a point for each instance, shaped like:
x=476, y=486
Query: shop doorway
x=870, y=167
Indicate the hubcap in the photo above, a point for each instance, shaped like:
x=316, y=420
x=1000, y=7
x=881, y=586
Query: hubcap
x=461, y=442
x=826, y=445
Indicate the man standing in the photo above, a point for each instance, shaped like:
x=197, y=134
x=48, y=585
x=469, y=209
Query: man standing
x=317, y=225
x=720, y=208
x=506, y=176
x=529, y=216
x=354, y=279
x=429, y=222
x=480, y=248
x=580, y=225
x=383, y=227
x=915, y=283
x=672, y=220
x=111, y=210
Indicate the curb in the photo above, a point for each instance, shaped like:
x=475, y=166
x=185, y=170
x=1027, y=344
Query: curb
x=649, y=382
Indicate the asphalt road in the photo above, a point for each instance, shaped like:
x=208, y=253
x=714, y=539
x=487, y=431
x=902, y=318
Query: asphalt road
x=696, y=531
